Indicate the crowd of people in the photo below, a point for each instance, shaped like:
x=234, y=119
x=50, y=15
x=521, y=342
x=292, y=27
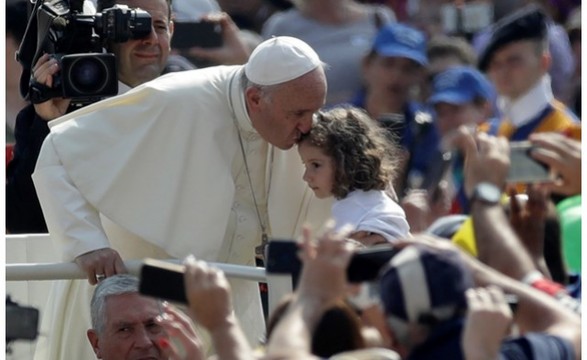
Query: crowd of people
x=345, y=124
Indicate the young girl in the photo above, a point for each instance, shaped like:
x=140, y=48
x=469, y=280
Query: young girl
x=348, y=156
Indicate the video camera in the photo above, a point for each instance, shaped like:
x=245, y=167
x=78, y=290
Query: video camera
x=77, y=40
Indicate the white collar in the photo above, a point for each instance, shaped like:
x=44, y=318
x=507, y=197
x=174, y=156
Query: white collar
x=520, y=111
x=238, y=105
x=122, y=88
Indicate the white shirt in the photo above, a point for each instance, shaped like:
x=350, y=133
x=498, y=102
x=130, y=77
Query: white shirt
x=371, y=211
x=520, y=111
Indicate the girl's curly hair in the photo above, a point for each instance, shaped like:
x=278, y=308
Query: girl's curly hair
x=363, y=154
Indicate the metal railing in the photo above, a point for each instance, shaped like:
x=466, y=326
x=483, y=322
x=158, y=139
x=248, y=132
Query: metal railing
x=278, y=285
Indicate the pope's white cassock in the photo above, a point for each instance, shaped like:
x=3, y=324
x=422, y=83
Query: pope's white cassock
x=159, y=172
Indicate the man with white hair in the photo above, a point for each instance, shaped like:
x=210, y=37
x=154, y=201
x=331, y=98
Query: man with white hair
x=124, y=322
x=192, y=162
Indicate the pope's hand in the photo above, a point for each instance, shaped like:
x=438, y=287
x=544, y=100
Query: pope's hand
x=101, y=263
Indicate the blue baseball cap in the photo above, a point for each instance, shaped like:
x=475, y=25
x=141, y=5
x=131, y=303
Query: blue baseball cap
x=459, y=85
x=399, y=40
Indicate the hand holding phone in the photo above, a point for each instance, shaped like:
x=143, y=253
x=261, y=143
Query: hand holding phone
x=523, y=167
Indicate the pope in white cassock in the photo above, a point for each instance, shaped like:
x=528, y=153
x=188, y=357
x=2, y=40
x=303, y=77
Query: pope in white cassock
x=190, y=163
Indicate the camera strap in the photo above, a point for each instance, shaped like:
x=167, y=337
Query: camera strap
x=39, y=93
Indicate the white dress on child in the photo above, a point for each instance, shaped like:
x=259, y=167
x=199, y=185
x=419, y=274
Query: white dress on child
x=371, y=211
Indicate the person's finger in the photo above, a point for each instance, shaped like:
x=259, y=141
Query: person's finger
x=179, y=316
x=43, y=59
x=551, y=158
x=484, y=298
x=536, y=201
x=484, y=143
x=119, y=267
x=92, y=279
x=44, y=74
x=474, y=302
x=554, y=142
x=498, y=299
x=307, y=248
x=515, y=207
x=110, y=268
x=467, y=144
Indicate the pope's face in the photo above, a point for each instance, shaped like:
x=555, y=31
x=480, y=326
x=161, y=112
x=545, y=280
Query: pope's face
x=281, y=114
x=130, y=331
x=142, y=60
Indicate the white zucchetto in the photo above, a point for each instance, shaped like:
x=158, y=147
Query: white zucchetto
x=280, y=59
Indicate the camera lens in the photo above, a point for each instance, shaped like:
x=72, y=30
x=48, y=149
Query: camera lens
x=88, y=75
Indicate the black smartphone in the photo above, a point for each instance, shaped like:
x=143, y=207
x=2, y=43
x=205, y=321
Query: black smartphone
x=282, y=258
x=163, y=280
x=205, y=34
x=523, y=167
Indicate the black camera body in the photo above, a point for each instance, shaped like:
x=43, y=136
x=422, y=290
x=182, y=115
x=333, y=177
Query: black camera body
x=77, y=41
x=22, y=322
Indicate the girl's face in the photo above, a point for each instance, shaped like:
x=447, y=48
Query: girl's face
x=319, y=172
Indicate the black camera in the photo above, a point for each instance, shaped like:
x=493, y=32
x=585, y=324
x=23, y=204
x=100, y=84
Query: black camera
x=78, y=42
x=21, y=321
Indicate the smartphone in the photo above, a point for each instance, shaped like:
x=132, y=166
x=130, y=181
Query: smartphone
x=523, y=167
x=469, y=18
x=163, y=280
x=205, y=34
x=282, y=258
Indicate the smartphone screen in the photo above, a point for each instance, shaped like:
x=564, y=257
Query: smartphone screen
x=524, y=168
x=204, y=34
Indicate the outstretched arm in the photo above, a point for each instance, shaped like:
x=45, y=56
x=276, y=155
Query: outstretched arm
x=208, y=294
x=487, y=161
x=71, y=220
x=323, y=280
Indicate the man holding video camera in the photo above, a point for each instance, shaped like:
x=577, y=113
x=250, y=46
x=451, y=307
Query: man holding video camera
x=138, y=60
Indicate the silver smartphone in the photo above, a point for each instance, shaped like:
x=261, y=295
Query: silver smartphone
x=524, y=168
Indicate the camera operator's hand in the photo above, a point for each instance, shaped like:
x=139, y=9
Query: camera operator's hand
x=43, y=72
x=101, y=263
x=234, y=50
x=563, y=155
